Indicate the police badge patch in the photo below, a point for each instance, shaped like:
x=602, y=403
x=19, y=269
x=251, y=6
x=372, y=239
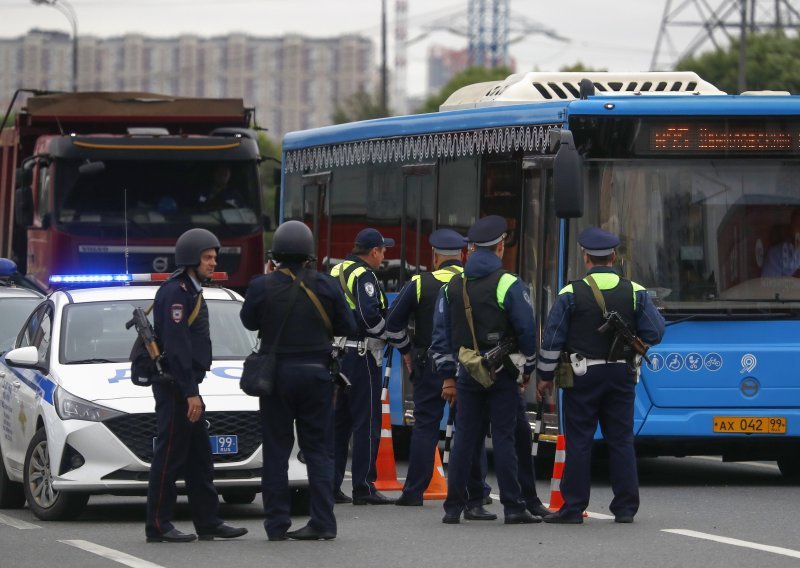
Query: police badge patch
x=369, y=288
x=177, y=312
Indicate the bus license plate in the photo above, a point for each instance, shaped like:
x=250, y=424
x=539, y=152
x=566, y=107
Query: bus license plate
x=749, y=425
x=224, y=444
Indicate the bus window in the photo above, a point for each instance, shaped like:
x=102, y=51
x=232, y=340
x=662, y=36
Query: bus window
x=458, y=193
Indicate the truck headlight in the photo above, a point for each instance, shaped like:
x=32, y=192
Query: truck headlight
x=70, y=407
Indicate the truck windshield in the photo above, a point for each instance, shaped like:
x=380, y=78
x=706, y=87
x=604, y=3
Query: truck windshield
x=701, y=235
x=162, y=198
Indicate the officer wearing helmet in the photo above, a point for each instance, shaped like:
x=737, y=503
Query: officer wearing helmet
x=182, y=447
x=298, y=311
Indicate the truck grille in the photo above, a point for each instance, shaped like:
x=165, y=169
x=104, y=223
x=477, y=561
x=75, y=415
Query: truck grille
x=137, y=432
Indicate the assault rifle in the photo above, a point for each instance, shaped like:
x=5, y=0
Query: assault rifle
x=497, y=356
x=148, y=338
x=623, y=333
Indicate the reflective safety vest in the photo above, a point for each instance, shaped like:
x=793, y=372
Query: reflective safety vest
x=619, y=295
x=486, y=296
x=428, y=285
x=346, y=273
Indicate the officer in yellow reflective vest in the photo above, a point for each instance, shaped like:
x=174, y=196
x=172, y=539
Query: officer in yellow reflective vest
x=417, y=302
x=605, y=378
x=358, y=411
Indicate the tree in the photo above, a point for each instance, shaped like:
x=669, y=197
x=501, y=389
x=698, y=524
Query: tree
x=359, y=106
x=578, y=66
x=772, y=63
x=468, y=76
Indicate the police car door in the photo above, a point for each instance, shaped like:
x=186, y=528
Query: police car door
x=35, y=385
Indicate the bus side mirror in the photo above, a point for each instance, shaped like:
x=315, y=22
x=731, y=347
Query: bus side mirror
x=568, y=178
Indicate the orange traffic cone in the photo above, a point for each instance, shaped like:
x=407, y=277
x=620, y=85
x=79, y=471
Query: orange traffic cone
x=556, y=500
x=385, y=464
x=437, y=488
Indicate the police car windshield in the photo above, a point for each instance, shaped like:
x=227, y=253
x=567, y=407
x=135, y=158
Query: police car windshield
x=95, y=332
x=703, y=235
x=15, y=311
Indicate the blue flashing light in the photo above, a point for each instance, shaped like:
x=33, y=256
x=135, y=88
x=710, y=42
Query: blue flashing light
x=90, y=278
x=7, y=267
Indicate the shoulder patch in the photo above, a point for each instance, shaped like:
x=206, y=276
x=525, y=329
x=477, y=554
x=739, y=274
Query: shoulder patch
x=369, y=288
x=176, y=311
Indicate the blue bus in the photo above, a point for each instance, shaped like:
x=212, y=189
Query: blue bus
x=702, y=187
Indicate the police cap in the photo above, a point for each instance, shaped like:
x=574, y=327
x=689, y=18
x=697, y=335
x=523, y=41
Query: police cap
x=447, y=241
x=597, y=242
x=370, y=238
x=487, y=231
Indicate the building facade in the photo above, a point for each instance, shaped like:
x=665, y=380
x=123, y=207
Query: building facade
x=294, y=82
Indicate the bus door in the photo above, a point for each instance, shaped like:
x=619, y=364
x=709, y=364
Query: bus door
x=538, y=265
x=501, y=194
x=316, y=213
x=416, y=222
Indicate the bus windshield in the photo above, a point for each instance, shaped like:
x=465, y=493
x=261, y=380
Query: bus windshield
x=162, y=198
x=701, y=235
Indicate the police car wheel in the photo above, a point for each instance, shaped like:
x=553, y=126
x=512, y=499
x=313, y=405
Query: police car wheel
x=238, y=497
x=11, y=494
x=789, y=466
x=45, y=502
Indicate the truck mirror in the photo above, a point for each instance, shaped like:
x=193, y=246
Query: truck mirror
x=23, y=207
x=568, y=178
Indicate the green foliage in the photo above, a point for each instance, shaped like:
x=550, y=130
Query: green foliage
x=468, y=76
x=268, y=170
x=359, y=106
x=772, y=63
x=578, y=66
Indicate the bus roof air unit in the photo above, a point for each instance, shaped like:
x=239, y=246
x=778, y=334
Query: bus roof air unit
x=532, y=87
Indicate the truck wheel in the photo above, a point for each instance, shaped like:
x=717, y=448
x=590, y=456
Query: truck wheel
x=790, y=466
x=45, y=502
x=238, y=497
x=11, y=494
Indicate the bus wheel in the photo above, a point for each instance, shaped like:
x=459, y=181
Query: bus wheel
x=11, y=494
x=790, y=466
x=45, y=502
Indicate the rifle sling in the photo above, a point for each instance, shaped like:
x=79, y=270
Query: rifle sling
x=314, y=300
x=468, y=312
x=598, y=296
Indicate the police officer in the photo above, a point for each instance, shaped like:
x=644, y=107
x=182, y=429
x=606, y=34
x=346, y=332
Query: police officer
x=604, y=382
x=501, y=309
x=417, y=301
x=182, y=444
x=358, y=412
x=303, y=394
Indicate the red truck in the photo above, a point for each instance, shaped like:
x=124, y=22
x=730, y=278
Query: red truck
x=105, y=183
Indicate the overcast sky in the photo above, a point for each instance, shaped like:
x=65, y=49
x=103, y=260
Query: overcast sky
x=618, y=35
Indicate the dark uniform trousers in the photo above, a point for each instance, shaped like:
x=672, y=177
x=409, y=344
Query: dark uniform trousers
x=604, y=393
x=303, y=393
x=428, y=412
x=182, y=449
x=358, y=412
x=501, y=400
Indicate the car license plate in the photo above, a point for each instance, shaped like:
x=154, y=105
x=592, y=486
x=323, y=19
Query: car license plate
x=749, y=425
x=224, y=444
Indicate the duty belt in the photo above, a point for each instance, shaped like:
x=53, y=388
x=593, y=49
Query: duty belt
x=590, y=362
x=364, y=345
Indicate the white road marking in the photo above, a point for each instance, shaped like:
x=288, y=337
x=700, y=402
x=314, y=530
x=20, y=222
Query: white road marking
x=749, y=463
x=17, y=523
x=111, y=554
x=736, y=542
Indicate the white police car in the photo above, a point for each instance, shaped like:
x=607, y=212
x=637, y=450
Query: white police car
x=74, y=424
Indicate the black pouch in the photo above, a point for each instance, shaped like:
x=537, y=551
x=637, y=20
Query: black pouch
x=258, y=374
x=143, y=368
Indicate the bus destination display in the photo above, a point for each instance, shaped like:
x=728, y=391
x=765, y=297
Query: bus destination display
x=710, y=138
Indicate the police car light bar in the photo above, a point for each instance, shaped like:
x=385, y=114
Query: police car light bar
x=121, y=278
x=90, y=278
